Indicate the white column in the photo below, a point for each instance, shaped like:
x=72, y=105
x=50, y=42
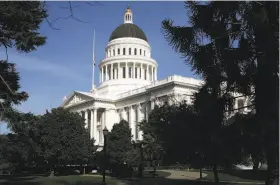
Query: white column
x=126, y=70
x=139, y=119
x=102, y=74
x=106, y=74
x=111, y=75
x=134, y=75
x=150, y=76
x=155, y=74
x=123, y=113
x=138, y=72
x=86, y=118
x=142, y=72
x=92, y=123
x=147, y=72
x=119, y=71
x=152, y=104
x=132, y=121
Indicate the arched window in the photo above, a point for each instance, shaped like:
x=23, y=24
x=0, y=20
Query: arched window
x=129, y=51
x=123, y=51
x=119, y=51
x=135, y=51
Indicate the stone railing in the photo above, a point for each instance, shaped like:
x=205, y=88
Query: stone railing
x=174, y=78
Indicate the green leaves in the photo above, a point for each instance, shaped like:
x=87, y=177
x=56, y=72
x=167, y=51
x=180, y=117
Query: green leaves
x=64, y=137
x=119, y=143
x=19, y=22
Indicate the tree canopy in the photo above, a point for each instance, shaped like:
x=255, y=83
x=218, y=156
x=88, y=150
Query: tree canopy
x=64, y=138
x=236, y=45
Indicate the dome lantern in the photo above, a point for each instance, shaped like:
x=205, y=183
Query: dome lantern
x=128, y=16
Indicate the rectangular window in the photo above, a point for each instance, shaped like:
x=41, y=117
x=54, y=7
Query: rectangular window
x=129, y=72
x=135, y=51
x=114, y=52
x=119, y=51
x=123, y=72
x=135, y=76
x=144, y=53
x=129, y=51
x=123, y=51
x=140, y=51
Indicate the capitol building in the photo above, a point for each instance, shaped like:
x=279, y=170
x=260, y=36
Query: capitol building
x=128, y=86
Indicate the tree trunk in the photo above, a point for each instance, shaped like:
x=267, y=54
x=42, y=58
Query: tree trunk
x=155, y=169
x=256, y=166
x=200, y=173
x=215, y=171
x=272, y=165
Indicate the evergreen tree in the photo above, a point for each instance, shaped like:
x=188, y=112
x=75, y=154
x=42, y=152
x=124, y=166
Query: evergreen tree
x=119, y=143
x=247, y=66
x=64, y=139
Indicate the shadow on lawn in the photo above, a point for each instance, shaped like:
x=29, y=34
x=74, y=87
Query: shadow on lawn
x=165, y=181
x=248, y=174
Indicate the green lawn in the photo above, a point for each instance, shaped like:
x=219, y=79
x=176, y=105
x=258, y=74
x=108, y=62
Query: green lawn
x=239, y=177
x=60, y=180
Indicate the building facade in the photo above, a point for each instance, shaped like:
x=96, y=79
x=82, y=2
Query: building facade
x=128, y=86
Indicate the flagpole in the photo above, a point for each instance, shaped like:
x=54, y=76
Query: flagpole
x=93, y=60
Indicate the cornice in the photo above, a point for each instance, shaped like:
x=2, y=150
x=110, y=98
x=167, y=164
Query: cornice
x=127, y=58
x=128, y=41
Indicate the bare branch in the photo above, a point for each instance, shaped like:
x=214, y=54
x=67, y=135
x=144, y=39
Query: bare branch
x=89, y=3
x=50, y=24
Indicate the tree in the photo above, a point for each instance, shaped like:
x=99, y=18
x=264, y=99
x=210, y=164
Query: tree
x=19, y=22
x=9, y=87
x=246, y=66
x=119, y=146
x=64, y=139
x=24, y=142
x=248, y=130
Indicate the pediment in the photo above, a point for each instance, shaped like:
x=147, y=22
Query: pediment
x=76, y=98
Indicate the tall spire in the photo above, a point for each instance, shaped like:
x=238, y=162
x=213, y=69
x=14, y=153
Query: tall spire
x=128, y=15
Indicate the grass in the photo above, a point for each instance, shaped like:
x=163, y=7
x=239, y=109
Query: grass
x=226, y=178
x=59, y=180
